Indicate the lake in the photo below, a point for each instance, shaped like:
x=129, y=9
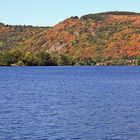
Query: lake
x=70, y=103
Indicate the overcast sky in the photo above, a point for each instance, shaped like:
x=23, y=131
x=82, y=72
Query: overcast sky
x=50, y=12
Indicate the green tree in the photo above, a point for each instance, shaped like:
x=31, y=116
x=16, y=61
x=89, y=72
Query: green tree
x=138, y=60
x=65, y=59
x=7, y=59
x=44, y=58
x=30, y=59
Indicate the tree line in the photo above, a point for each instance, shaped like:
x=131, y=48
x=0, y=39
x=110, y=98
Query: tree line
x=18, y=58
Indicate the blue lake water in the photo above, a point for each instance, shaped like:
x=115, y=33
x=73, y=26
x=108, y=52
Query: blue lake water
x=70, y=103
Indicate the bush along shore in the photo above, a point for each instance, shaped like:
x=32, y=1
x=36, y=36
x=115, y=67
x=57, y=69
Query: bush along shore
x=17, y=58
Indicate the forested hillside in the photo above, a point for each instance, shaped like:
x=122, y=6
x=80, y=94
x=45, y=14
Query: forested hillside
x=111, y=38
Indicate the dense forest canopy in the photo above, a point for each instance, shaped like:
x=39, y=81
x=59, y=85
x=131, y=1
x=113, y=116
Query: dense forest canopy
x=110, y=38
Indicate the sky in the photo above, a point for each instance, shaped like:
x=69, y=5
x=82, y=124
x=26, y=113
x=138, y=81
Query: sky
x=51, y=12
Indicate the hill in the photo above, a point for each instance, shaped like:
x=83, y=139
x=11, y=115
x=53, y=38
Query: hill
x=110, y=38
